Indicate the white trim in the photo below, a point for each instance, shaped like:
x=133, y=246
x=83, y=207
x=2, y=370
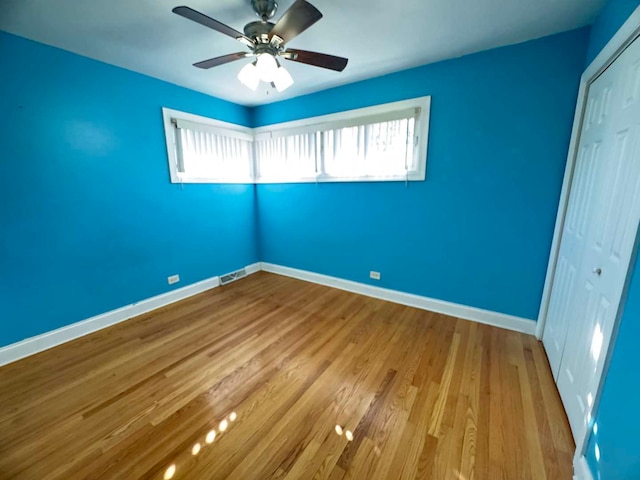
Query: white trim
x=412, y=177
x=253, y=268
x=170, y=138
x=45, y=341
x=425, y=303
x=581, y=470
x=623, y=37
x=375, y=113
x=349, y=118
x=216, y=127
x=219, y=125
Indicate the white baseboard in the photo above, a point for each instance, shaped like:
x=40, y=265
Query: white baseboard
x=581, y=470
x=45, y=341
x=425, y=303
x=253, y=268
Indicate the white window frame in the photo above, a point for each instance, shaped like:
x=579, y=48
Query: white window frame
x=360, y=116
x=218, y=126
x=372, y=114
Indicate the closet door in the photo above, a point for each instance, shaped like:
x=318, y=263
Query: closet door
x=587, y=179
x=609, y=242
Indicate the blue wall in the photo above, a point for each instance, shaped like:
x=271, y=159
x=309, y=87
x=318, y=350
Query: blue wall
x=611, y=18
x=617, y=417
x=88, y=219
x=478, y=230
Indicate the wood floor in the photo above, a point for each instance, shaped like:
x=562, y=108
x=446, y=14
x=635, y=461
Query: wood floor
x=416, y=394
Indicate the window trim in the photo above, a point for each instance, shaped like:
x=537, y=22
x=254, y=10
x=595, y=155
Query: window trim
x=379, y=113
x=216, y=126
x=373, y=114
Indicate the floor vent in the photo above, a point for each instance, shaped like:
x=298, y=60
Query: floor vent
x=233, y=276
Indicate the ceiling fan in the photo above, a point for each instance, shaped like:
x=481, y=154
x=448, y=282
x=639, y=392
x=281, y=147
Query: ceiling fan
x=266, y=42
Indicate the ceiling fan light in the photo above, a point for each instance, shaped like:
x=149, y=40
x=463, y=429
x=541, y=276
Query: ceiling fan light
x=267, y=67
x=282, y=79
x=249, y=76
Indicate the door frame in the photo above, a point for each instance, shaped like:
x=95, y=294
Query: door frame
x=627, y=33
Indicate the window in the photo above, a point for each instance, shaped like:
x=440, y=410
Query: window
x=382, y=143
x=288, y=157
x=202, y=150
x=376, y=150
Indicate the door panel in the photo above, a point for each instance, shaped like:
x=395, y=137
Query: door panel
x=608, y=238
x=582, y=202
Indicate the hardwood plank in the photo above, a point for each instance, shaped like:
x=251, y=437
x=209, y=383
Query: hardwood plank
x=425, y=395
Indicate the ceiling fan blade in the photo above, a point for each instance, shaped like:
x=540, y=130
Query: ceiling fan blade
x=300, y=16
x=202, y=19
x=316, y=59
x=214, y=62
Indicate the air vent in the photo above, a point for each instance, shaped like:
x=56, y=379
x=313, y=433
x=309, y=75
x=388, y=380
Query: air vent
x=233, y=276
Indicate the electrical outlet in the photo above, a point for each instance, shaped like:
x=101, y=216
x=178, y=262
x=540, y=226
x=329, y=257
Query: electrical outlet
x=374, y=275
x=173, y=279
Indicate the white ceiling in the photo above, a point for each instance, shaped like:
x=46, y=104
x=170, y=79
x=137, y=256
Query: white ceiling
x=378, y=36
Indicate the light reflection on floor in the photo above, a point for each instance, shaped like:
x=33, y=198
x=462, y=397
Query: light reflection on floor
x=224, y=424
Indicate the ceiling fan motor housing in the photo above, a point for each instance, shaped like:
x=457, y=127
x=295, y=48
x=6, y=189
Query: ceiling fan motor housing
x=258, y=30
x=265, y=9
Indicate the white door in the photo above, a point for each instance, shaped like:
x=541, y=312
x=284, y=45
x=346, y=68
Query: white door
x=609, y=243
x=587, y=180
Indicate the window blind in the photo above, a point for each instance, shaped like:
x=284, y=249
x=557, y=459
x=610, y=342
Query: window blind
x=287, y=156
x=209, y=152
x=380, y=146
x=383, y=149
